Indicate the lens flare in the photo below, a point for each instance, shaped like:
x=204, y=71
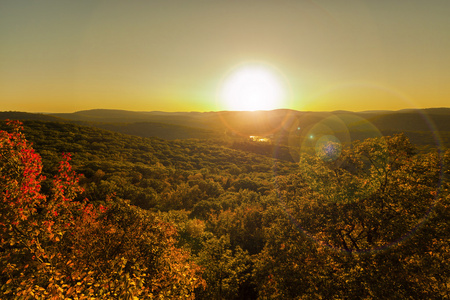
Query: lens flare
x=339, y=169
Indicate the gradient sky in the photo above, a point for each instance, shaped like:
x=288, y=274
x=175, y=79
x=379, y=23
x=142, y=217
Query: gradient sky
x=173, y=55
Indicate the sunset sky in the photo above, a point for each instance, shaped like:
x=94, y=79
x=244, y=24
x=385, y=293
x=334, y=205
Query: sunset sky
x=177, y=55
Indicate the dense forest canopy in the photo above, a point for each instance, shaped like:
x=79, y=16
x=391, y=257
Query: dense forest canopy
x=126, y=216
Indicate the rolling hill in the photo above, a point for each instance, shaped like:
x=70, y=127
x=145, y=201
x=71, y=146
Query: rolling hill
x=423, y=127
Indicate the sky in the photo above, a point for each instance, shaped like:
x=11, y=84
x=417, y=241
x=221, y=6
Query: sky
x=177, y=55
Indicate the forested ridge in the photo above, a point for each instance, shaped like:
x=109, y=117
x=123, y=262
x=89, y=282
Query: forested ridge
x=196, y=218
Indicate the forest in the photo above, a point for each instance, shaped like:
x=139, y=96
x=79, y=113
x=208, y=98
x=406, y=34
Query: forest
x=88, y=213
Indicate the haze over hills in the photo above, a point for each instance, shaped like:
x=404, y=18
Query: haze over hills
x=124, y=116
x=210, y=119
x=420, y=125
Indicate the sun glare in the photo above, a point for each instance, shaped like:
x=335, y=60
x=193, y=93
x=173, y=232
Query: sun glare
x=253, y=87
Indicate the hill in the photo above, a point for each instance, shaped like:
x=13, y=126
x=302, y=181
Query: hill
x=161, y=130
x=424, y=127
x=242, y=119
x=132, y=123
x=193, y=119
x=121, y=157
x=17, y=115
x=269, y=121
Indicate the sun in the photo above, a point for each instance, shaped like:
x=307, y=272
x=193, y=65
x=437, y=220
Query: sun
x=253, y=86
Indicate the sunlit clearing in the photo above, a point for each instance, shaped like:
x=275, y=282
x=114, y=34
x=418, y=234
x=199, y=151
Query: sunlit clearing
x=253, y=87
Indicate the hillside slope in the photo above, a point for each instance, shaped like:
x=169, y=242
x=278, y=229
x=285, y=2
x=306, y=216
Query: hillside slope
x=423, y=127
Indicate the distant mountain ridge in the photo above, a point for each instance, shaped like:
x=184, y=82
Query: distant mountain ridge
x=119, y=121
x=124, y=116
x=204, y=125
x=18, y=115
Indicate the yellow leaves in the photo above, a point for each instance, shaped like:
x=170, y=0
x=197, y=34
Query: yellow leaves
x=94, y=271
x=70, y=291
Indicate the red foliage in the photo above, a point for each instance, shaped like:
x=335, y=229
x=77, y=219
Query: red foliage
x=55, y=247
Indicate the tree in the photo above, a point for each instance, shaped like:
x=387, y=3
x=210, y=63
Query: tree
x=58, y=245
x=227, y=272
x=372, y=223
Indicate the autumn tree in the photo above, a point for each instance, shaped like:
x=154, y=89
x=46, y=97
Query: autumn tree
x=58, y=246
x=372, y=224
